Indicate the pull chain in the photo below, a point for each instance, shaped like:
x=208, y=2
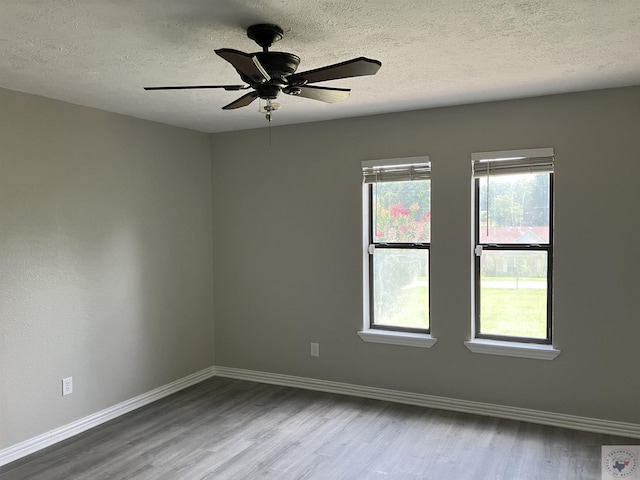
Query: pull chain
x=269, y=120
x=267, y=109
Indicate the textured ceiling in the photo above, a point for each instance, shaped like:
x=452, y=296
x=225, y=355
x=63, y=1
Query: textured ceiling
x=100, y=53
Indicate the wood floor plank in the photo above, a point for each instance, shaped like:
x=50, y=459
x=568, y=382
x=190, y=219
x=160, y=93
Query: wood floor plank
x=230, y=429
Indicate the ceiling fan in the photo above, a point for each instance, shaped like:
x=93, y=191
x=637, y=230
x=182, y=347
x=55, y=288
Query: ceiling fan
x=268, y=74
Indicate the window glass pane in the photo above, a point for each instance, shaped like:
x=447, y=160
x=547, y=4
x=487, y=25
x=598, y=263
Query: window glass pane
x=514, y=208
x=402, y=212
x=513, y=293
x=401, y=287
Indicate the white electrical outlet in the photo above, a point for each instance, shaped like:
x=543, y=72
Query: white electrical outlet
x=67, y=386
x=315, y=349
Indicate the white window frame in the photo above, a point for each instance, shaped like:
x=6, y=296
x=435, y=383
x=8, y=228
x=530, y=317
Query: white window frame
x=528, y=160
x=377, y=335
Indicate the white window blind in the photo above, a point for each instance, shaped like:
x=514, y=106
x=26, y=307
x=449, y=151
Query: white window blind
x=396, y=169
x=506, y=162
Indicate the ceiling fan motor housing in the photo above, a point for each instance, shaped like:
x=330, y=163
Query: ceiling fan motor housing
x=268, y=92
x=279, y=65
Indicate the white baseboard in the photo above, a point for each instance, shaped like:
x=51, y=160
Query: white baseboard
x=34, y=444
x=501, y=411
x=47, y=439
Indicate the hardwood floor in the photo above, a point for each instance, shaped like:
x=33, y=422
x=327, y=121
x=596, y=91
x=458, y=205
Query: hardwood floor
x=231, y=429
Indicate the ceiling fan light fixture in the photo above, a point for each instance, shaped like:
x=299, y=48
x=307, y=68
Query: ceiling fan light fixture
x=267, y=108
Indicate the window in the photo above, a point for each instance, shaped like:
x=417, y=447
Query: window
x=513, y=225
x=397, y=235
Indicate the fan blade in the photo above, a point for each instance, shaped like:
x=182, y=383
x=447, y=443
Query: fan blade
x=351, y=68
x=246, y=65
x=243, y=101
x=187, y=87
x=324, y=94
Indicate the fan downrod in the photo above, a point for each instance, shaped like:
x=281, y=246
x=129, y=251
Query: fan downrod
x=265, y=34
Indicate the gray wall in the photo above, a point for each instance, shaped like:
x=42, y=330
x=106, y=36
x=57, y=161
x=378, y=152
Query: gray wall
x=105, y=260
x=107, y=269
x=288, y=264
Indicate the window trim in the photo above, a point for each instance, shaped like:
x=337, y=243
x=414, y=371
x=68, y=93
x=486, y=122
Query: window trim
x=542, y=161
x=390, y=337
x=370, y=332
x=517, y=247
x=394, y=328
x=513, y=349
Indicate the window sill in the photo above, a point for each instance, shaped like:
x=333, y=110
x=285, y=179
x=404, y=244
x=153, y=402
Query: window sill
x=406, y=339
x=513, y=349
